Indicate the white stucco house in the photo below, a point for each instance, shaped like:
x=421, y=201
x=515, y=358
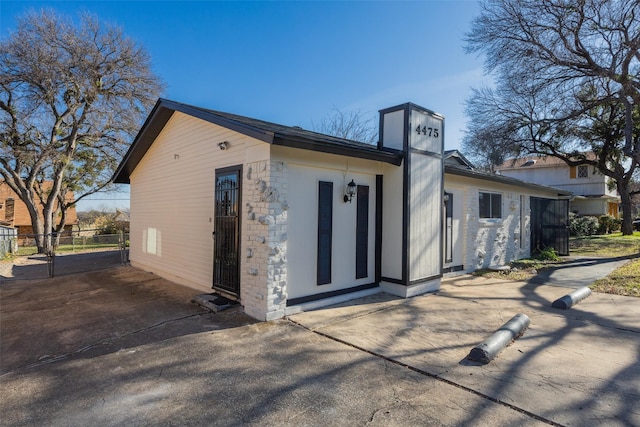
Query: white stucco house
x=593, y=192
x=283, y=219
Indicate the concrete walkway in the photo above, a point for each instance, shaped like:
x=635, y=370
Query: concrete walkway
x=124, y=347
x=577, y=272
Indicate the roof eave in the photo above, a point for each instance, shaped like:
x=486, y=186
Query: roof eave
x=393, y=157
x=158, y=118
x=164, y=109
x=504, y=180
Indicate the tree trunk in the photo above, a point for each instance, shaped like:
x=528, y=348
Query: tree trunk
x=59, y=228
x=48, y=229
x=26, y=195
x=42, y=225
x=49, y=210
x=625, y=204
x=38, y=231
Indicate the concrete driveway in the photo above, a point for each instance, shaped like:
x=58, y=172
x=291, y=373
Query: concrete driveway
x=124, y=347
x=572, y=367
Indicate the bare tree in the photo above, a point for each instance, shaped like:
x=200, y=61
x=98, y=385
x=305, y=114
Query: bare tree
x=568, y=78
x=353, y=125
x=71, y=97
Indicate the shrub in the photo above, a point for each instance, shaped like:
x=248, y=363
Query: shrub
x=617, y=225
x=547, y=254
x=106, y=225
x=608, y=224
x=582, y=226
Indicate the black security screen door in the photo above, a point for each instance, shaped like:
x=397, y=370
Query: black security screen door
x=226, y=255
x=550, y=225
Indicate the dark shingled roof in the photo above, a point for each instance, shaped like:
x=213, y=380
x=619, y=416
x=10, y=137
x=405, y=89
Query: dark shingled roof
x=271, y=133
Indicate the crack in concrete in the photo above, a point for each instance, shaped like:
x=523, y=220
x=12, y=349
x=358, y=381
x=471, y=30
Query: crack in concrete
x=437, y=377
x=104, y=341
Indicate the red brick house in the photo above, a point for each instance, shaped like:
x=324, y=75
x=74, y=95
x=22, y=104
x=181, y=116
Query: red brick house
x=14, y=213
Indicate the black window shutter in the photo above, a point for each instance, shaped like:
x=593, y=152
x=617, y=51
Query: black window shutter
x=362, y=231
x=325, y=225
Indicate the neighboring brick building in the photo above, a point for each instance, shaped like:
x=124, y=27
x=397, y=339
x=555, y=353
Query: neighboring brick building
x=14, y=213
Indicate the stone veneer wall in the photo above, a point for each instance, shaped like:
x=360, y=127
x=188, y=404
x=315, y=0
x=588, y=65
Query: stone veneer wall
x=263, y=275
x=494, y=242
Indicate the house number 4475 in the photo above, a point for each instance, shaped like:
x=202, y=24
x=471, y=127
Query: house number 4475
x=428, y=131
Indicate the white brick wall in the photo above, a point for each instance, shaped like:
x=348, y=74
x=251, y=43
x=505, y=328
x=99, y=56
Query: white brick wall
x=264, y=239
x=498, y=241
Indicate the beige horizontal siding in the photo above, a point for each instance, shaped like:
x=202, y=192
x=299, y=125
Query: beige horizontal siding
x=172, y=193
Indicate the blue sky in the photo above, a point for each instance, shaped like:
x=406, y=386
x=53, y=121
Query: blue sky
x=293, y=62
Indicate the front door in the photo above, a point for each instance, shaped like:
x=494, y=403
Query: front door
x=226, y=248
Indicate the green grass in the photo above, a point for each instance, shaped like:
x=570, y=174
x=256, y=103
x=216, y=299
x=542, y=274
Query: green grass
x=32, y=250
x=75, y=244
x=607, y=246
x=624, y=281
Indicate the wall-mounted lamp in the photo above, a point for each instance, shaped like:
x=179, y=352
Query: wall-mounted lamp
x=350, y=191
x=223, y=145
x=445, y=198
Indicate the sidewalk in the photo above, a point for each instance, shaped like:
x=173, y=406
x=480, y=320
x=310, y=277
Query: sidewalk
x=124, y=347
x=578, y=271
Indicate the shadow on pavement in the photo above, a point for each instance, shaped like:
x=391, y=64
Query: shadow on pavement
x=598, y=340
x=573, y=367
x=35, y=266
x=97, y=313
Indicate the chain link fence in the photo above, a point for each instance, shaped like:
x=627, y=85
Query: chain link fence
x=8, y=241
x=72, y=252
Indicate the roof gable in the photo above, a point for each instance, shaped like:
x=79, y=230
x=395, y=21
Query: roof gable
x=267, y=132
x=455, y=158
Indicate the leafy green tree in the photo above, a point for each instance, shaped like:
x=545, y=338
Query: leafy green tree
x=568, y=83
x=71, y=98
